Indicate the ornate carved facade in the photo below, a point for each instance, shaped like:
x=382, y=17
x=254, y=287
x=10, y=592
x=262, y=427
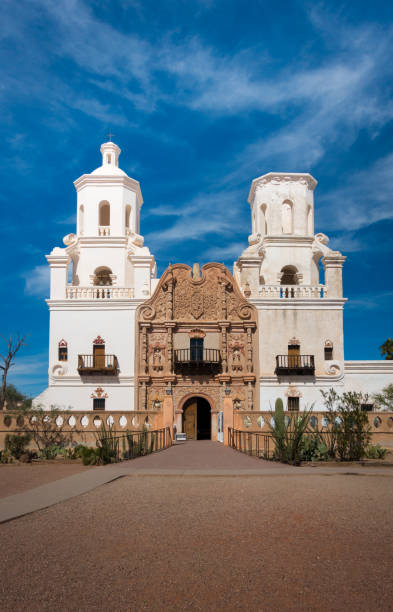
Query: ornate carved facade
x=196, y=306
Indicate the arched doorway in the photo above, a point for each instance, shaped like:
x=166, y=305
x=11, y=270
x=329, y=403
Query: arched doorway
x=197, y=419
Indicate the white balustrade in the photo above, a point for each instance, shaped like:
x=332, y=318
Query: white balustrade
x=292, y=291
x=104, y=230
x=98, y=293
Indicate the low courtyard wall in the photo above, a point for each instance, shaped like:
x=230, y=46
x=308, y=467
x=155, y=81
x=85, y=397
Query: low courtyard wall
x=82, y=426
x=381, y=424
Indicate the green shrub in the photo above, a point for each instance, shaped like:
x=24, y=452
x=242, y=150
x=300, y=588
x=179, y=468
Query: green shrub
x=108, y=445
x=50, y=452
x=376, y=451
x=287, y=433
x=348, y=431
x=90, y=455
x=16, y=444
x=313, y=448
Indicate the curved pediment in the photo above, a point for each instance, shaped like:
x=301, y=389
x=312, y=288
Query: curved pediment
x=212, y=295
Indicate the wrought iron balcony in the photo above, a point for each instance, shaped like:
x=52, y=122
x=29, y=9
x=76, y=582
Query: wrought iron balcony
x=197, y=359
x=295, y=364
x=97, y=364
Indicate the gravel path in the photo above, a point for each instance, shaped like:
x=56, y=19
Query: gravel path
x=278, y=542
x=19, y=477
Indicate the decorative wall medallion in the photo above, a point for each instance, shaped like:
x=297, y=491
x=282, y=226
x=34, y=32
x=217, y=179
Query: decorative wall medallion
x=99, y=340
x=333, y=368
x=328, y=344
x=59, y=370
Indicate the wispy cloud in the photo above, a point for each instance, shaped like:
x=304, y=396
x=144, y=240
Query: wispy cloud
x=376, y=301
x=29, y=372
x=37, y=281
x=364, y=198
x=217, y=214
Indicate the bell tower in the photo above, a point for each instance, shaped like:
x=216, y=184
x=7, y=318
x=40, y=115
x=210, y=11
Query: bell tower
x=92, y=307
x=107, y=247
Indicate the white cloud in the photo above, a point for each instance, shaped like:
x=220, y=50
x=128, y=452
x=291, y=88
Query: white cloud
x=376, y=301
x=29, y=372
x=364, y=198
x=223, y=253
x=214, y=214
x=37, y=281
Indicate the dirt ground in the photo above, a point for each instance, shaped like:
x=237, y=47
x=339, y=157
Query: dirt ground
x=19, y=477
x=266, y=543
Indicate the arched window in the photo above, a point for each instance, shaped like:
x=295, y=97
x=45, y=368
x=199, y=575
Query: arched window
x=128, y=214
x=288, y=275
x=286, y=217
x=81, y=219
x=102, y=276
x=104, y=213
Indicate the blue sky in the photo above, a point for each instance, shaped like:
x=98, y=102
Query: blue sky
x=202, y=97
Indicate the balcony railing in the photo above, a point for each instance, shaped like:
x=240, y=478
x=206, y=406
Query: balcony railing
x=197, y=359
x=98, y=293
x=104, y=230
x=97, y=364
x=293, y=291
x=295, y=364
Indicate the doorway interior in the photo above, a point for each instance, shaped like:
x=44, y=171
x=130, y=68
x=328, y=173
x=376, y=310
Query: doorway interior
x=197, y=419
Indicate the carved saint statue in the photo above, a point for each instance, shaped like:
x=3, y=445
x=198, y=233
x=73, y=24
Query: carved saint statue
x=236, y=359
x=157, y=359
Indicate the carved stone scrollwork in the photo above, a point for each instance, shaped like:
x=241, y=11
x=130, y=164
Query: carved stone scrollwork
x=293, y=392
x=59, y=369
x=245, y=312
x=333, y=368
x=148, y=313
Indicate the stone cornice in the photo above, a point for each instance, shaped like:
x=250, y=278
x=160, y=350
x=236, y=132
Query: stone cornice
x=380, y=366
x=298, y=303
x=103, y=241
x=95, y=305
x=288, y=239
x=323, y=381
x=87, y=180
x=277, y=178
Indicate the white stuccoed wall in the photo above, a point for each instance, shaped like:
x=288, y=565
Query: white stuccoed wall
x=81, y=319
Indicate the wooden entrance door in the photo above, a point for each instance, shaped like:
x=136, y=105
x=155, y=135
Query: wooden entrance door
x=293, y=355
x=190, y=421
x=99, y=355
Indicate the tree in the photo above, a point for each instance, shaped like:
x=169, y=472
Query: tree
x=8, y=359
x=387, y=349
x=15, y=399
x=349, y=431
x=384, y=399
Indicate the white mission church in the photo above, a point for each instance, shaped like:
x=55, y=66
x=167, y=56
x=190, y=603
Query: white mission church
x=122, y=339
